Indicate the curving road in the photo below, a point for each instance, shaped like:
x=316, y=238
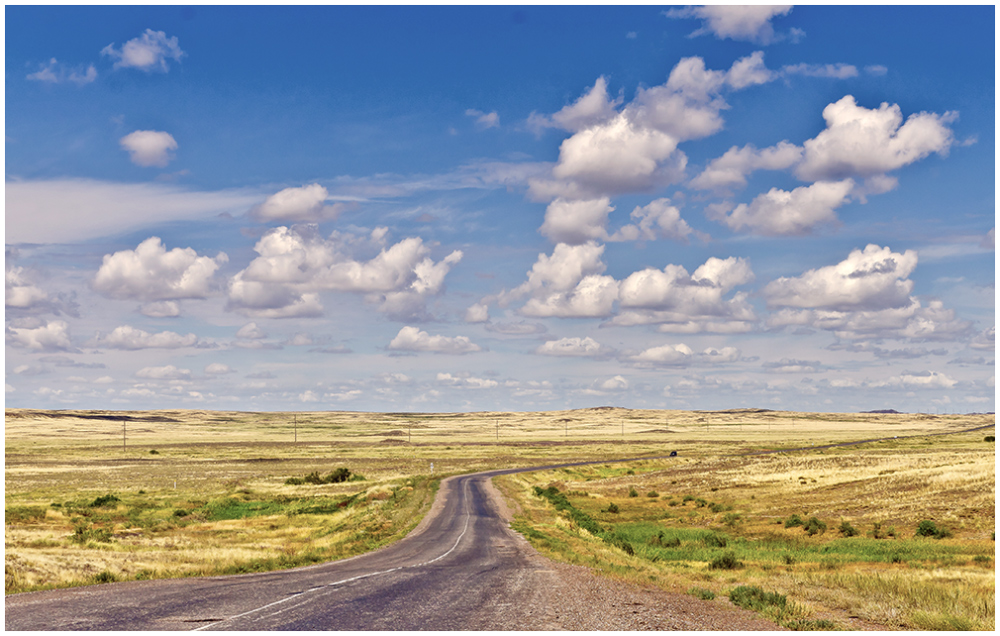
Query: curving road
x=462, y=568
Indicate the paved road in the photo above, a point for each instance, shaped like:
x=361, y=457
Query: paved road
x=463, y=568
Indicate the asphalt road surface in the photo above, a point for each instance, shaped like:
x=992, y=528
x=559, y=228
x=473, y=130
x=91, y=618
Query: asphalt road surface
x=462, y=568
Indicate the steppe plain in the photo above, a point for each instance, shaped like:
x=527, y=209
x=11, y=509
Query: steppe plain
x=102, y=496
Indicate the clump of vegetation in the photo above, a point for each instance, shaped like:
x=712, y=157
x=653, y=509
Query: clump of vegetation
x=84, y=533
x=714, y=540
x=727, y=561
x=660, y=541
x=814, y=526
x=731, y=519
x=652, y=494
x=990, y=438
x=928, y=528
x=847, y=529
x=702, y=593
x=632, y=492
x=794, y=521
x=338, y=476
x=754, y=598
x=104, y=501
x=612, y=508
x=878, y=533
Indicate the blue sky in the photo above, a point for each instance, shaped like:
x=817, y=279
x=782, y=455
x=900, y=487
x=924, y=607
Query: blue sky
x=500, y=208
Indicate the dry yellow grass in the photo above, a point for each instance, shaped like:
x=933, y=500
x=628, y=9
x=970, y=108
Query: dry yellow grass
x=185, y=460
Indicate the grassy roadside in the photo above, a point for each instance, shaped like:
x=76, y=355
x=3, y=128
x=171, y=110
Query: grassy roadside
x=144, y=535
x=739, y=528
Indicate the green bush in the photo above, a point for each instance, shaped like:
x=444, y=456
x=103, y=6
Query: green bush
x=847, y=529
x=104, y=501
x=753, y=598
x=930, y=529
x=702, y=593
x=727, y=561
x=793, y=521
x=664, y=542
x=84, y=533
x=612, y=508
x=731, y=519
x=814, y=526
x=990, y=438
x=105, y=577
x=339, y=475
x=714, y=540
x=652, y=494
x=632, y=492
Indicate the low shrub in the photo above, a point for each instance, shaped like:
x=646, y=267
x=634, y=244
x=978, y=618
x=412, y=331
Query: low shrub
x=612, y=508
x=702, y=593
x=105, y=576
x=84, y=533
x=662, y=541
x=928, y=528
x=814, y=526
x=104, y=501
x=754, y=598
x=652, y=494
x=793, y=521
x=339, y=475
x=727, y=561
x=714, y=540
x=731, y=519
x=632, y=492
x=847, y=529
x=990, y=438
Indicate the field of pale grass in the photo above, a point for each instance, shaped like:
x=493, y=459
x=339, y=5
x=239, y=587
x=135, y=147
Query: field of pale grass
x=204, y=493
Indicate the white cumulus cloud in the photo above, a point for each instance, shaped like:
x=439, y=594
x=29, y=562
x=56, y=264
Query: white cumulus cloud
x=413, y=339
x=55, y=73
x=151, y=273
x=303, y=204
x=149, y=148
x=782, y=213
x=573, y=347
x=129, y=338
x=148, y=52
x=52, y=336
x=863, y=142
x=735, y=22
